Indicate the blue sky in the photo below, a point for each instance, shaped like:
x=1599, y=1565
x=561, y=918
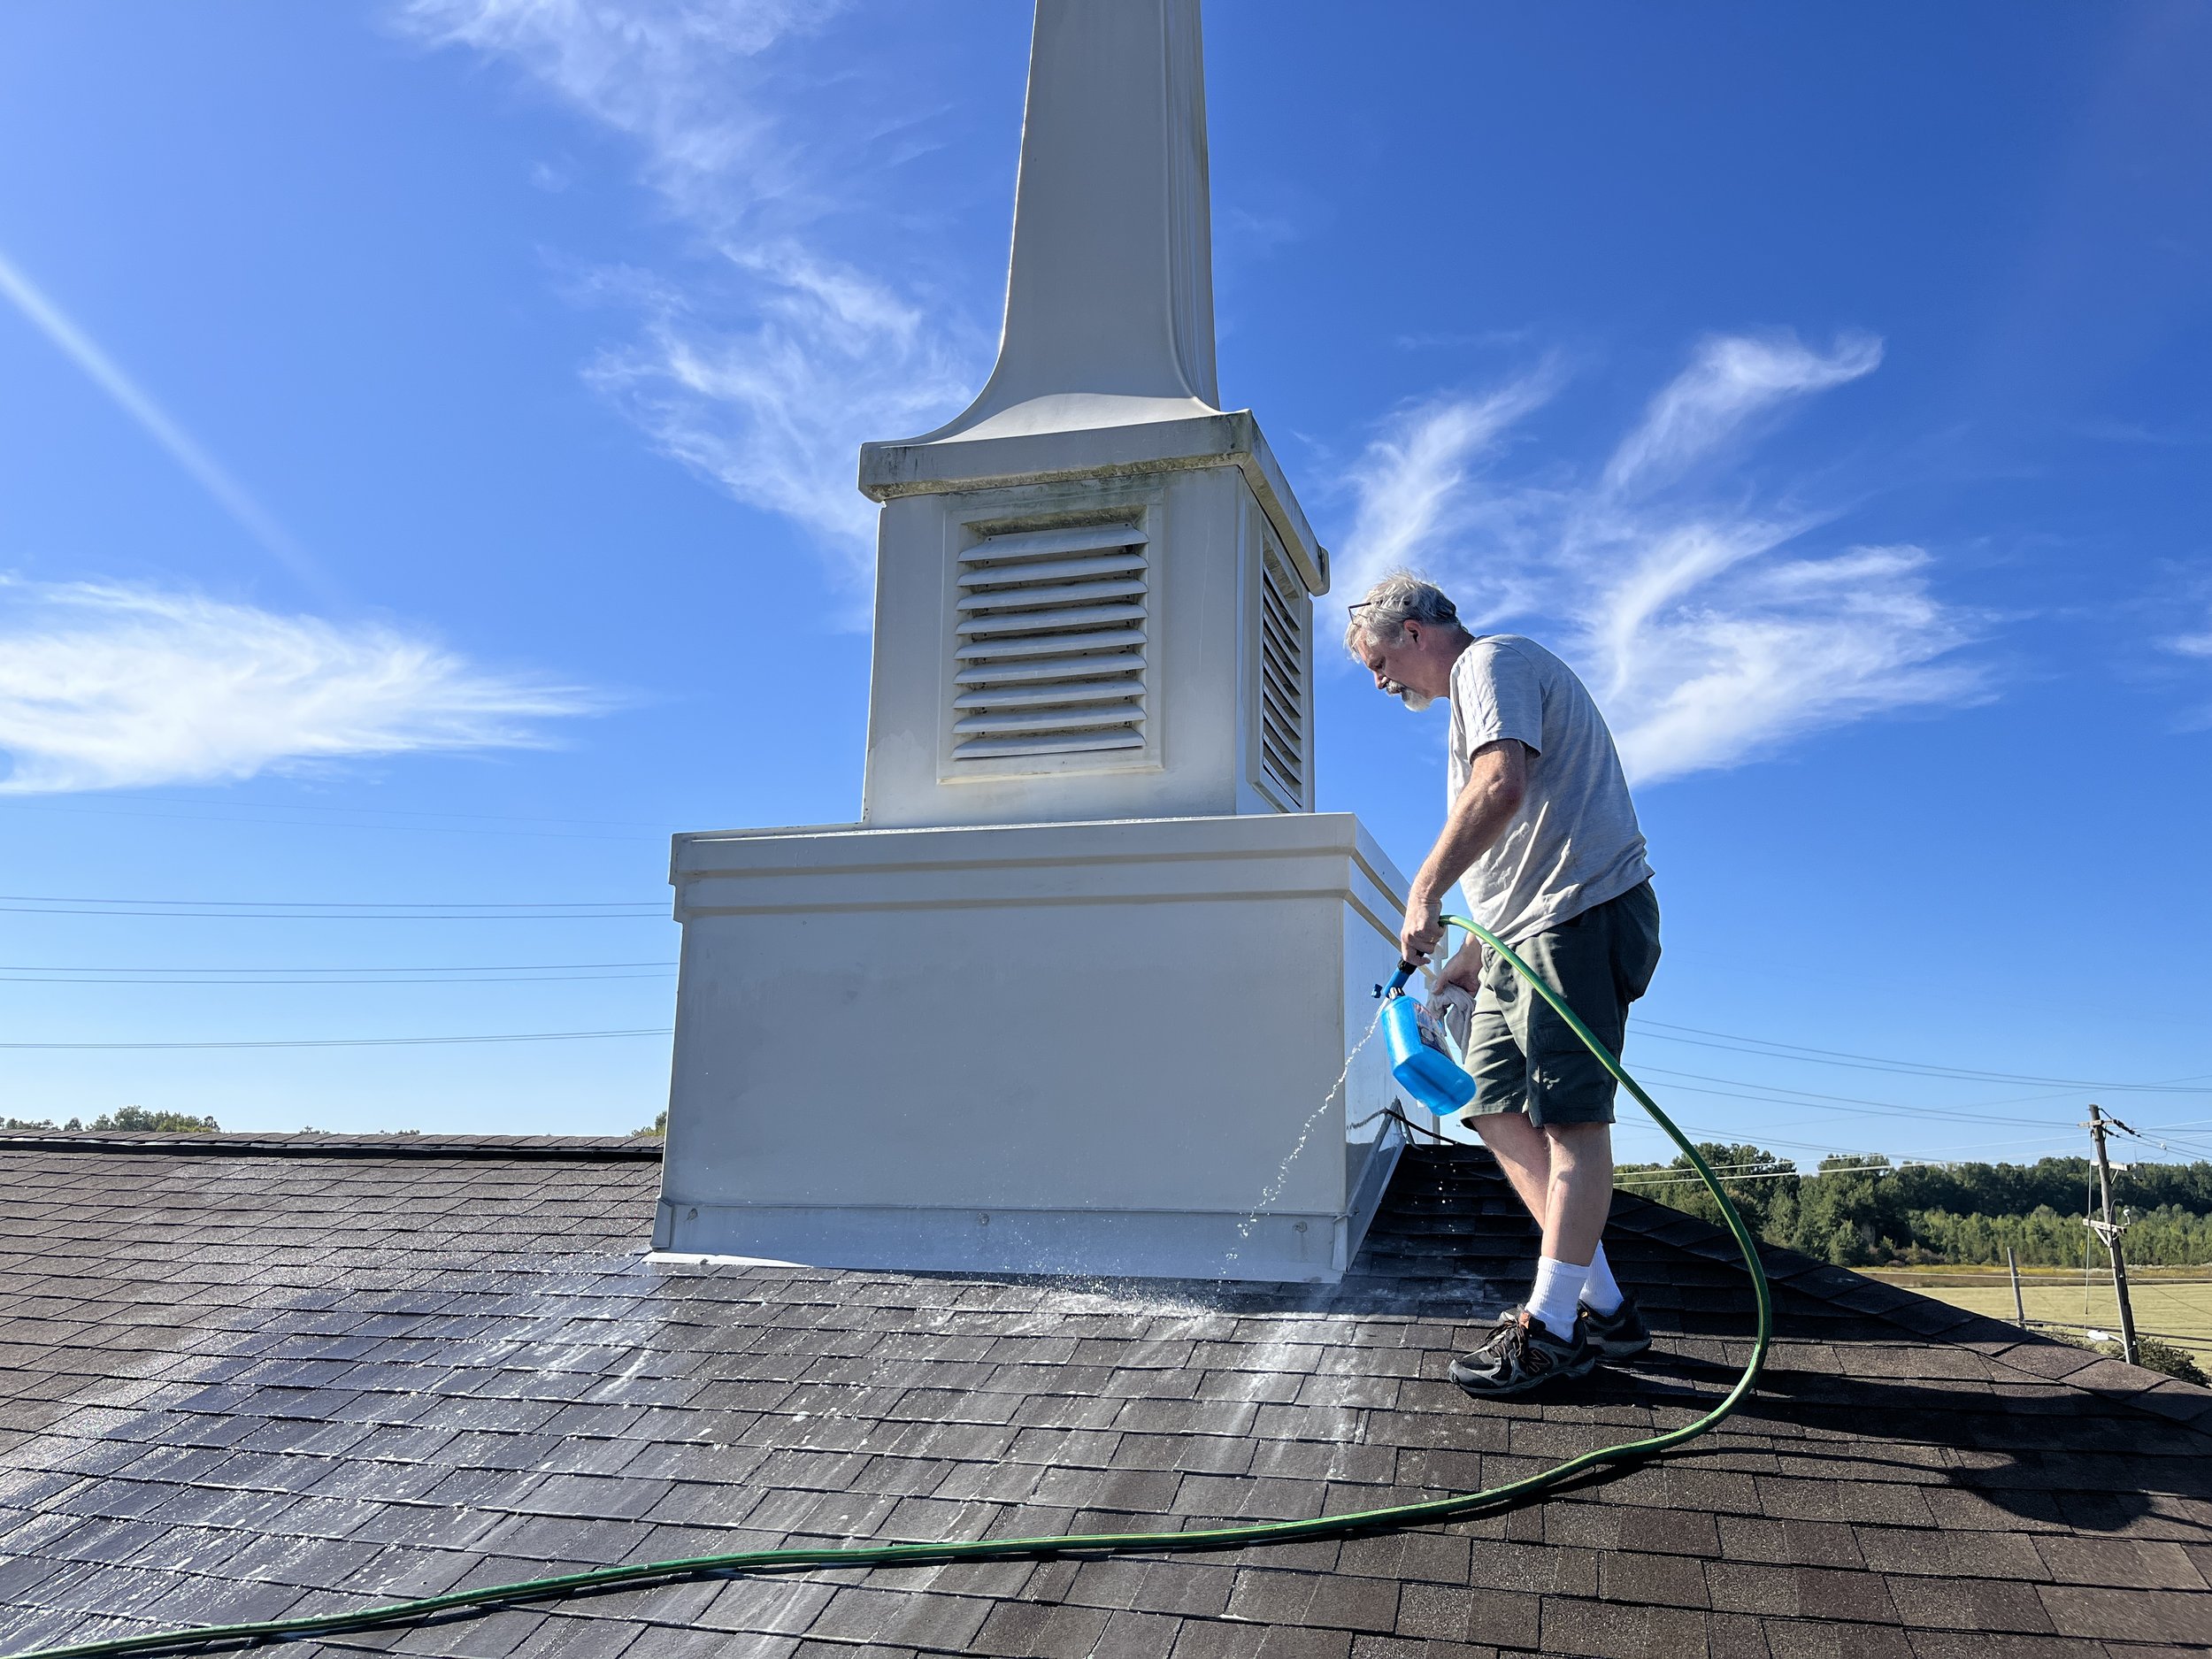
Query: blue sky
x=427, y=434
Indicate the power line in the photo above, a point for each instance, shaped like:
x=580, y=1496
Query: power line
x=2045, y=1143
x=457, y=979
x=461, y=967
x=1763, y=1167
x=388, y=811
x=1642, y=1178
x=1829, y=1149
x=431, y=829
x=1736, y=1044
x=363, y=913
x=2163, y=1144
x=1768, y=1090
x=361, y=1042
x=333, y=904
x=1764, y=1094
x=656, y=913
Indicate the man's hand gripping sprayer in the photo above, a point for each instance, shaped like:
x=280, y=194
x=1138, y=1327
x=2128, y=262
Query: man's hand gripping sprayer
x=1418, y=1059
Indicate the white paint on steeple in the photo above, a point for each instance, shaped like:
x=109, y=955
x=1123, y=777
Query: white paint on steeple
x=1077, y=991
x=1110, y=299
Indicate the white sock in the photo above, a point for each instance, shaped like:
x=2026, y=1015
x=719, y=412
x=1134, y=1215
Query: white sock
x=1553, y=1300
x=1600, y=1294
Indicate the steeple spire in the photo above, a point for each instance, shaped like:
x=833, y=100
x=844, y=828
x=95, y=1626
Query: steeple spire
x=1110, y=310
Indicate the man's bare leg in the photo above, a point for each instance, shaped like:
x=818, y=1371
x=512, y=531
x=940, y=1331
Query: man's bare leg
x=1524, y=1152
x=1580, y=1194
x=1562, y=1175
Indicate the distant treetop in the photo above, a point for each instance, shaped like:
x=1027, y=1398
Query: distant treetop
x=127, y=1119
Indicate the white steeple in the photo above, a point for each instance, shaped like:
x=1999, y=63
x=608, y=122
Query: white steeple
x=1089, y=795
x=1094, y=587
x=1109, y=295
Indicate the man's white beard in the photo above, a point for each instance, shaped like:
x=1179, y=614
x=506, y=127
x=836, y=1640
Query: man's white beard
x=1414, y=700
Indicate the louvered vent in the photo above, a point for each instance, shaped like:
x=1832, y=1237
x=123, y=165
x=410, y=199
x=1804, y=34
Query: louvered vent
x=1282, y=700
x=1050, y=644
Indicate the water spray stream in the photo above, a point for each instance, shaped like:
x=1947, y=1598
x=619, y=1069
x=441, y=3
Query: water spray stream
x=1273, y=1190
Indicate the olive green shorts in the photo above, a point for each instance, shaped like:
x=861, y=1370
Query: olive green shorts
x=1523, y=1057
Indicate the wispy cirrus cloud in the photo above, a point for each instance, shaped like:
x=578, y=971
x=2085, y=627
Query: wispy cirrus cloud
x=773, y=404
x=1732, y=380
x=111, y=686
x=2197, y=647
x=1415, y=488
x=765, y=363
x=1707, y=632
x=684, y=79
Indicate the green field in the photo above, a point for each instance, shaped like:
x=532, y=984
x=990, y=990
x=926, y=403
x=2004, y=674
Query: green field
x=2173, y=1304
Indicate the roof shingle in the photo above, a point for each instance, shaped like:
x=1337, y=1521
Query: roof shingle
x=270, y=1379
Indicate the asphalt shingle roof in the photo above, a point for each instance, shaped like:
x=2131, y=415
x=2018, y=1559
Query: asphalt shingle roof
x=301, y=1375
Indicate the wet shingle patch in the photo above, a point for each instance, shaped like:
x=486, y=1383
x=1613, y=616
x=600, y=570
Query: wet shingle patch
x=286, y=1379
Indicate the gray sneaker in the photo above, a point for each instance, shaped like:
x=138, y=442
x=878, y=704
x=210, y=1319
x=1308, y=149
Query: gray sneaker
x=1620, y=1335
x=1520, y=1354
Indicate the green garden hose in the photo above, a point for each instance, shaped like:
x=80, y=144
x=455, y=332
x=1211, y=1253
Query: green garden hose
x=762, y=1560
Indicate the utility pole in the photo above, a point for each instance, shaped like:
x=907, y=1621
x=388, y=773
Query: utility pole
x=2110, y=1231
x=2019, y=1306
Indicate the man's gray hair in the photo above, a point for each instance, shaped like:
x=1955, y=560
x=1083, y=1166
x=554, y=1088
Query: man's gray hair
x=1399, y=598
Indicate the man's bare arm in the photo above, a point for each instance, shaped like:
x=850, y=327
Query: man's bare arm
x=1497, y=780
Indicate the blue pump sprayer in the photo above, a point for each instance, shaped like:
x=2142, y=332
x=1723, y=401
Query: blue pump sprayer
x=1418, y=1057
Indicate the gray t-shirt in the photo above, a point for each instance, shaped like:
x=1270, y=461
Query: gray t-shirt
x=1575, y=842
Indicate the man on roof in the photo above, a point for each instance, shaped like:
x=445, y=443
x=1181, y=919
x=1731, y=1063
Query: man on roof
x=1543, y=838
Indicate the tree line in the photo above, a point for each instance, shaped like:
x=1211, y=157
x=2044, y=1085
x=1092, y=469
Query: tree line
x=136, y=1119
x=1858, y=1211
